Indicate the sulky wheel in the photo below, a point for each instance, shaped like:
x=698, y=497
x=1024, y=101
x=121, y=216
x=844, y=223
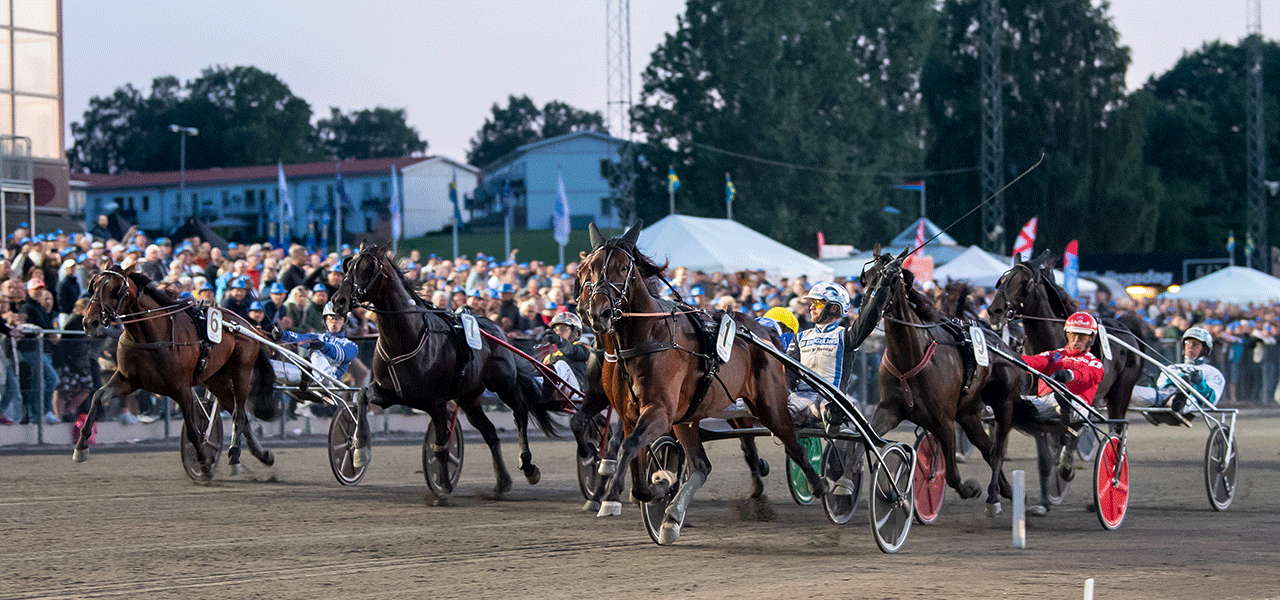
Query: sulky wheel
x=1087, y=447
x=1220, y=467
x=797, y=483
x=841, y=464
x=593, y=438
x=1058, y=486
x=664, y=454
x=930, y=479
x=442, y=476
x=891, y=497
x=342, y=445
x=211, y=433
x=1111, y=483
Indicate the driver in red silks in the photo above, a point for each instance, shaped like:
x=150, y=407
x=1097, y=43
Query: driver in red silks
x=1073, y=365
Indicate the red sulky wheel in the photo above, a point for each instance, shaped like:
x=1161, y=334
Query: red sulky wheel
x=1111, y=483
x=930, y=479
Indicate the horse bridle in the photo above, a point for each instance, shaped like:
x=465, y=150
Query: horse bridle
x=601, y=286
x=1024, y=292
x=358, y=291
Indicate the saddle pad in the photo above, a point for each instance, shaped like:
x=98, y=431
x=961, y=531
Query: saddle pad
x=471, y=329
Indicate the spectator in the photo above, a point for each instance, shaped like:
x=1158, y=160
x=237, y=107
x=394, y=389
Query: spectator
x=237, y=299
x=274, y=306
x=313, y=316
x=293, y=275
x=78, y=376
x=35, y=358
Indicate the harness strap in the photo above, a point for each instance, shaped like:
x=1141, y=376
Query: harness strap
x=393, y=361
x=903, y=377
x=643, y=349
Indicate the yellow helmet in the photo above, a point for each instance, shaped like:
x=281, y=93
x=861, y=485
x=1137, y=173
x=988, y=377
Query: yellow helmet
x=784, y=316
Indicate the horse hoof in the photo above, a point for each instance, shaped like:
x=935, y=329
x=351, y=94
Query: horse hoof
x=994, y=509
x=268, y=458
x=607, y=467
x=669, y=534
x=360, y=457
x=79, y=455
x=591, y=506
x=844, y=487
x=970, y=489
x=1038, y=510
x=610, y=508
x=533, y=475
x=236, y=469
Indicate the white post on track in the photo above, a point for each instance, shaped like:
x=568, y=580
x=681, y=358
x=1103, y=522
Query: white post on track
x=1088, y=589
x=1019, y=509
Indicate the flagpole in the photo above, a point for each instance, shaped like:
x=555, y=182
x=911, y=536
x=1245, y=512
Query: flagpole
x=337, y=223
x=922, y=199
x=671, y=195
x=506, y=219
x=456, y=224
x=728, y=197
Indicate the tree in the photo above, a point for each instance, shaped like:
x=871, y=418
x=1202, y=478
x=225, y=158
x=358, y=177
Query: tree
x=826, y=91
x=377, y=133
x=521, y=122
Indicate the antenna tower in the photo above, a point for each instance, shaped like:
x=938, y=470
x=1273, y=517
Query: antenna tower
x=621, y=175
x=1256, y=147
x=992, y=159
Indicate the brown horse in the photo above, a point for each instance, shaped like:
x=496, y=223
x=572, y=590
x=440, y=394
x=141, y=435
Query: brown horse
x=658, y=367
x=422, y=362
x=161, y=351
x=923, y=376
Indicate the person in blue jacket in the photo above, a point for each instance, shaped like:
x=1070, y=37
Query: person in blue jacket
x=331, y=351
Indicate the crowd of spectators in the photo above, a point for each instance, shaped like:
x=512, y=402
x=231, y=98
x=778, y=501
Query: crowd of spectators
x=44, y=281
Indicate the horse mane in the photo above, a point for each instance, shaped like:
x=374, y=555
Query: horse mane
x=1061, y=304
x=648, y=268
x=954, y=301
x=918, y=301
x=150, y=289
x=413, y=293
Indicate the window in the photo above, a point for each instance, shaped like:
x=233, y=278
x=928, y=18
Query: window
x=385, y=189
x=368, y=190
x=606, y=206
x=328, y=194
x=146, y=203
x=249, y=198
x=368, y=225
x=226, y=198
x=129, y=204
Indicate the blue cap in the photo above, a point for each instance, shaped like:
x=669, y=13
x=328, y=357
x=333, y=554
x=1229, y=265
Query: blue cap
x=493, y=293
x=22, y=225
x=1212, y=322
x=186, y=296
x=82, y=258
x=277, y=288
x=559, y=269
x=346, y=246
x=476, y=294
x=461, y=268
x=319, y=287
x=57, y=232
x=506, y=288
x=760, y=306
x=336, y=268
x=67, y=250
x=25, y=240
x=565, y=276
x=70, y=238
x=549, y=305
x=696, y=291
x=232, y=245
x=39, y=237
x=524, y=265
x=457, y=289
x=479, y=255
x=132, y=248
x=255, y=305
x=206, y=286
x=185, y=247
x=162, y=241
x=237, y=284
x=432, y=255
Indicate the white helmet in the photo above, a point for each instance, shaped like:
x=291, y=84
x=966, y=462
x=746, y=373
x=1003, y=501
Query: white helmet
x=1201, y=334
x=329, y=311
x=569, y=319
x=831, y=293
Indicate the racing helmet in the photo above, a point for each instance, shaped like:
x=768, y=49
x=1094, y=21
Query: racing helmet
x=569, y=319
x=1201, y=334
x=830, y=293
x=329, y=310
x=1081, y=322
x=785, y=317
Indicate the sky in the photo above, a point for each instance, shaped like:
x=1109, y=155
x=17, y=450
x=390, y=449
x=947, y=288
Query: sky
x=448, y=61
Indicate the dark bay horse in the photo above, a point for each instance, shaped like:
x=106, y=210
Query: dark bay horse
x=160, y=351
x=422, y=361
x=1027, y=292
x=923, y=376
x=658, y=367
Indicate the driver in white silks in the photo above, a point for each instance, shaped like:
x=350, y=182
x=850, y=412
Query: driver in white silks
x=569, y=355
x=827, y=349
x=331, y=351
x=1204, y=377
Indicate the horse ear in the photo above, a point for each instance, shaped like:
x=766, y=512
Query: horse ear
x=633, y=233
x=876, y=250
x=903, y=255
x=129, y=270
x=597, y=240
x=1017, y=258
x=1039, y=261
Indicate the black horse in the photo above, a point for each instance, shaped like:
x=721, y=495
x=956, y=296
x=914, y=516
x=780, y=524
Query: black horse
x=423, y=361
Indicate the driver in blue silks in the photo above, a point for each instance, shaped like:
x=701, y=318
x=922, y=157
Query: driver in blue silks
x=331, y=351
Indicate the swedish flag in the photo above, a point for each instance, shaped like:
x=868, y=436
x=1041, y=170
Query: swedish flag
x=1231, y=242
x=673, y=182
x=729, y=190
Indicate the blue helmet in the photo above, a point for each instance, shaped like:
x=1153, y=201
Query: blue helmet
x=319, y=287
x=237, y=284
x=255, y=305
x=277, y=288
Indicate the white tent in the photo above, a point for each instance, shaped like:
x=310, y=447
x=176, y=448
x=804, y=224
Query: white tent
x=1236, y=285
x=975, y=265
x=709, y=245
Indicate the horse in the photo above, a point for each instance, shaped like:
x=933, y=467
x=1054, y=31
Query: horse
x=661, y=368
x=162, y=351
x=1027, y=292
x=923, y=376
x=423, y=361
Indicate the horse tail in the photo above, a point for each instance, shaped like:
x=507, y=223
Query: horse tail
x=539, y=400
x=262, y=390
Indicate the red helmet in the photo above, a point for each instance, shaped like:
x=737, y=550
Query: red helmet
x=1081, y=322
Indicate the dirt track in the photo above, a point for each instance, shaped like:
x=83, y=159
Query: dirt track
x=130, y=524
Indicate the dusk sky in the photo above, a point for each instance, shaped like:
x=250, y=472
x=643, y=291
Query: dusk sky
x=448, y=62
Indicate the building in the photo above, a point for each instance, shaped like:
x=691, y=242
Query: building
x=33, y=166
x=244, y=202
x=532, y=172
x=427, y=206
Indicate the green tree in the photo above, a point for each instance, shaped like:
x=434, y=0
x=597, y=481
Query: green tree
x=522, y=122
x=829, y=86
x=371, y=133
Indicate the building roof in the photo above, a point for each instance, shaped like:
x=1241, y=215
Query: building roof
x=265, y=173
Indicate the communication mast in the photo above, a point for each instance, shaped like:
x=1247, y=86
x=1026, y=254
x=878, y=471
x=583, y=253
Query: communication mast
x=1256, y=147
x=621, y=176
x=992, y=159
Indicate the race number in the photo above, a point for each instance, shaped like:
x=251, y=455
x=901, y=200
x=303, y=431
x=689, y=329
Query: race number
x=1104, y=341
x=213, y=325
x=724, y=339
x=979, y=346
x=471, y=329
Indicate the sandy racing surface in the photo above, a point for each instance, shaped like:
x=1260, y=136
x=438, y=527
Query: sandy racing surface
x=130, y=524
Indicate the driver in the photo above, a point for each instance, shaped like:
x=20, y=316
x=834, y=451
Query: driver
x=331, y=351
x=827, y=349
x=1073, y=366
x=1197, y=342
x=569, y=355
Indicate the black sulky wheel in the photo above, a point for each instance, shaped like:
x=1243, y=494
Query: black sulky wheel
x=437, y=472
x=840, y=464
x=342, y=445
x=664, y=454
x=589, y=466
x=930, y=479
x=1057, y=485
x=1220, y=467
x=891, y=499
x=210, y=433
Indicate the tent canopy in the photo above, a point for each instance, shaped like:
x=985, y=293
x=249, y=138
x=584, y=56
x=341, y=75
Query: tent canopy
x=710, y=245
x=1236, y=285
x=974, y=265
x=907, y=239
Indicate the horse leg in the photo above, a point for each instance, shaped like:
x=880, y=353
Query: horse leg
x=653, y=422
x=699, y=467
x=1044, y=465
x=470, y=405
x=238, y=425
x=752, y=455
x=116, y=387
x=775, y=416
x=362, y=454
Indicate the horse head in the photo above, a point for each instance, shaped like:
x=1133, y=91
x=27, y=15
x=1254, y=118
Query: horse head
x=878, y=280
x=1013, y=290
x=363, y=275
x=609, y=276
x=111, y=293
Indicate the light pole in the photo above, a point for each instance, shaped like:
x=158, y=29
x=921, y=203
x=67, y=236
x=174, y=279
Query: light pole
x=183, y=132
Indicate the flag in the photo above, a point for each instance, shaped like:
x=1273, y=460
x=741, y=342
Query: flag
x=561, y=219
x=506, y=197
x=673, y=182
x=1071, y=269
x=1026, y=239
x=1248, y=244
x=395, y=205
x=453, y=197
x=822, y=241
x=729, y=190
x=920, y=233
x=915, y=186
x=286, y=207
x=1231, y=242
x=344, y=201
